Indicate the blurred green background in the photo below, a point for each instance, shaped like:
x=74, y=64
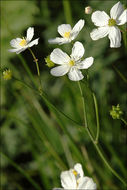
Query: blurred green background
x=34, y=137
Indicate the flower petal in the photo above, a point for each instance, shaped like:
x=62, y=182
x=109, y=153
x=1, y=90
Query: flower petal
x=58, y=41
x=77, y=51
x=77, y=28
x=64, y=28
x=13, y=50
x=21, y=50
x=34, y=42
x=115, y=37
x=100, y=18
x=101, y=32
x=86, y=183
x=75, y=74
x=30, y=33
x=68, y=180
x=59, y=70
x=15, y=42
x=59, y=57
x=86, y=63
x=78, y=168
x=116, y=10
x=123, y=18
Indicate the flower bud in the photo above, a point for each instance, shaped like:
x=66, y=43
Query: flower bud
x=88, y=10
x=7, y=74
x=49, y=62
x=116, y=112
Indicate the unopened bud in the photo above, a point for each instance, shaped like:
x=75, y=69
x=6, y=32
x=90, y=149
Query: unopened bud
x=88, y=10
x=116, y=112
x=49, y=62
x=7, y=74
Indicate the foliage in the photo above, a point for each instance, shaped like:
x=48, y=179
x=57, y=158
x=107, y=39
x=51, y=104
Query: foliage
x=38, y=138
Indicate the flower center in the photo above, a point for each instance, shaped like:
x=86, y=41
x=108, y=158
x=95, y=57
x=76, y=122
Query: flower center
x=23, y=42
x=71, y=63
x=75, y=173
x=111, y=22
x=67, y=34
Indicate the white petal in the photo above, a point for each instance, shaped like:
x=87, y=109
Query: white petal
x=77, y=51
x=101, y=32
x=58, y=41
x=64, y=28
x=87, y=183
x=78, y=168
x=15, y=42
x=75, y=74
x=17, y=50
x=34, y=42
x=13, y=50
x=30, y=33
x=59, y=70
x=59, y=57
x=86, y=63
x=100, y=18
x=115, y=37
x=21, y=50
x=123, y=18
x=77, y=28
x=68, y=180
x=116, y=10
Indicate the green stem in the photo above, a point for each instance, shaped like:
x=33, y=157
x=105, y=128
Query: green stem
x=97, y=118
x=67, y=11
x=36, y=61
x=37, y=66
x=125, y=122
x=120, y=74
x=27, y=69
x=94, y=142
x=48, y=102
x=85, y=121
x=35, y=185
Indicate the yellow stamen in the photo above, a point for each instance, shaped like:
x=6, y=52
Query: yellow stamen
x=71, y=63
x=75, y=173
x=23, y=42
x=111, y=22
x=67, y=34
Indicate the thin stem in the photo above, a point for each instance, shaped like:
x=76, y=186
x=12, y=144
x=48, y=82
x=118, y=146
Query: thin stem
x=35, y=185
x=125, y=122
x=27, y=69
x=48, y=102
x=94, y=142
x=120, y=74
x=85, y=122
x=97, y=118
x=67, y=11
x=37, y=66
x=36, y=61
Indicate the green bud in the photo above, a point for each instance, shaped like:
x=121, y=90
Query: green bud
x=116, y=112
x=7, y=74
x=49, y=62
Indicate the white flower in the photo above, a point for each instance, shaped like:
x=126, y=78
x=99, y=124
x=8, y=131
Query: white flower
x=20, y=45
x=68, y=34
x=70, y=64
x=74, y=179
x=108, y=25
